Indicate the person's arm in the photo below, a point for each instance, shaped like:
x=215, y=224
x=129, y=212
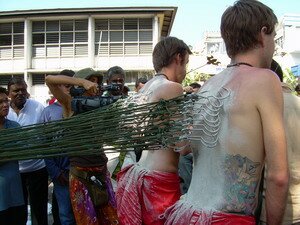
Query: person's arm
x=54, y=82
x=270, y=107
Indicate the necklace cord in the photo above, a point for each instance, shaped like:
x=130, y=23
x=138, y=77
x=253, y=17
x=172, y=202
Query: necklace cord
x=238, y=64
x=161, y=74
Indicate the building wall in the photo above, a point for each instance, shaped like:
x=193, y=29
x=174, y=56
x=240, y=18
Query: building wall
x=287, y=51
x=38, y=45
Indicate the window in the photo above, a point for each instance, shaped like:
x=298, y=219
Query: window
x=60, y=38
x=127, y=36
x=11, y=40
x=5, y=78
x=38, y=79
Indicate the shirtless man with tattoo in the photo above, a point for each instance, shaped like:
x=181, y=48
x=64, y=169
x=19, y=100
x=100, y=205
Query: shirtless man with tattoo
x=147, y=188
x=238, y=126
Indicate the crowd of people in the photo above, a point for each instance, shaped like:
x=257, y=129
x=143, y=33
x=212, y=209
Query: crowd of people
x=240, y=164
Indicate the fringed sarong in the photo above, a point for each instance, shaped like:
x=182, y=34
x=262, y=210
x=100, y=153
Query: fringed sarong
x=142, y=195
x=182, y=213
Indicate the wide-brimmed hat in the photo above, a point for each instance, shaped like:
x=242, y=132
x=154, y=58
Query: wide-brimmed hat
x=88, y=72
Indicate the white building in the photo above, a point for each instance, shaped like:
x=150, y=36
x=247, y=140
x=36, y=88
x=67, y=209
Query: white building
x=212, y=45
x=287, y=51
x=38, y=42
x=287, y=41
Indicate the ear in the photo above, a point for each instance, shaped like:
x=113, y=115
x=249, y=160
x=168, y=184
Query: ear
x=262, y=36
x=178, y=58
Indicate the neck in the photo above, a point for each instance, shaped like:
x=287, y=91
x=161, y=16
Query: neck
x=252, y=57
x=162, y=74
x=169, y=74
x=16, y=108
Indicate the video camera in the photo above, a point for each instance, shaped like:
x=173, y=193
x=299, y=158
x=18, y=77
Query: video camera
x=82, y=103
x=78, y=92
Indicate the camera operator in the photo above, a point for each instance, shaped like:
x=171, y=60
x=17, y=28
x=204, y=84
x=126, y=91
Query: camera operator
x=82, y=168
x=115, y=76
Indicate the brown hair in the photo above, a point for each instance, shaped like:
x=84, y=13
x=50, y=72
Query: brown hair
x=242, y=23
x=166, y=50
x=3, y=90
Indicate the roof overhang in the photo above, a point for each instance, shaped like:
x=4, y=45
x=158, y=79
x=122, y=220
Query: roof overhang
x=166, y=14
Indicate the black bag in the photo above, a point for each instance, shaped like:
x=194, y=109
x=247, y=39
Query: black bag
x=97, y=187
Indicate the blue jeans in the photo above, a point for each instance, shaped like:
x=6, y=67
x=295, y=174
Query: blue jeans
x=185, y=171
x=62, y=195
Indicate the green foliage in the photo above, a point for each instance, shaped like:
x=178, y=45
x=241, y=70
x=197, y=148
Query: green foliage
x=289, y=78
x=195, y=77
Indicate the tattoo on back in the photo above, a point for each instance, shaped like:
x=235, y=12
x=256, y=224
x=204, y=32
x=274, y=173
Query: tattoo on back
x=242, y=178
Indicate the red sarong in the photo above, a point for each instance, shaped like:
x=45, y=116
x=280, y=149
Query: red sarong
x=184, y=214
x=142, y=195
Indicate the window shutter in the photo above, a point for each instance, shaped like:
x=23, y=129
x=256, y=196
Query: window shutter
x=116, y=49
x=38, y=79
x=5, y=52
x=116, y=24
x=145, y=48
x=38, y=51
x=18, y=39
x=116, y=36
x=104, y=37
x=67, y=50
x=81, y=36
x=52, y=25
x=131, y=36
x=18, y=27
x=18, y=52
x=131, y=49
x=130, y=24
x=66, y=37
x=52, y=38
x=101, y=24
x=52, y=51
x=5, y=28
x=81, y=25
x=38, y=26
x=145, y=35
x=145, y=23
x=103, y=49
x=81, y=49
x=66, y=25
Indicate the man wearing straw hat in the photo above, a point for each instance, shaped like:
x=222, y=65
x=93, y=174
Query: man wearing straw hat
x=91, y=191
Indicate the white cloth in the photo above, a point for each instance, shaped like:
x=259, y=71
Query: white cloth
x=130, y=158
x=29, y=115
x=292, y=128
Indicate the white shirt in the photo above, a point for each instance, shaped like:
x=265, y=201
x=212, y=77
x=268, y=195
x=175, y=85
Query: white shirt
x=30, y=114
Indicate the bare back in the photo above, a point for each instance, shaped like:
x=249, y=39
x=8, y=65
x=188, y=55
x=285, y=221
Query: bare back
x=227, y=142
x=158, y=88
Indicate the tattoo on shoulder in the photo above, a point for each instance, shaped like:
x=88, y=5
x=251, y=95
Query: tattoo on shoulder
x=242, y=177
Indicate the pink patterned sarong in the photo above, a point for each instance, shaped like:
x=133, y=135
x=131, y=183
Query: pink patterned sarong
x=142, y=195
x=183, y=213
